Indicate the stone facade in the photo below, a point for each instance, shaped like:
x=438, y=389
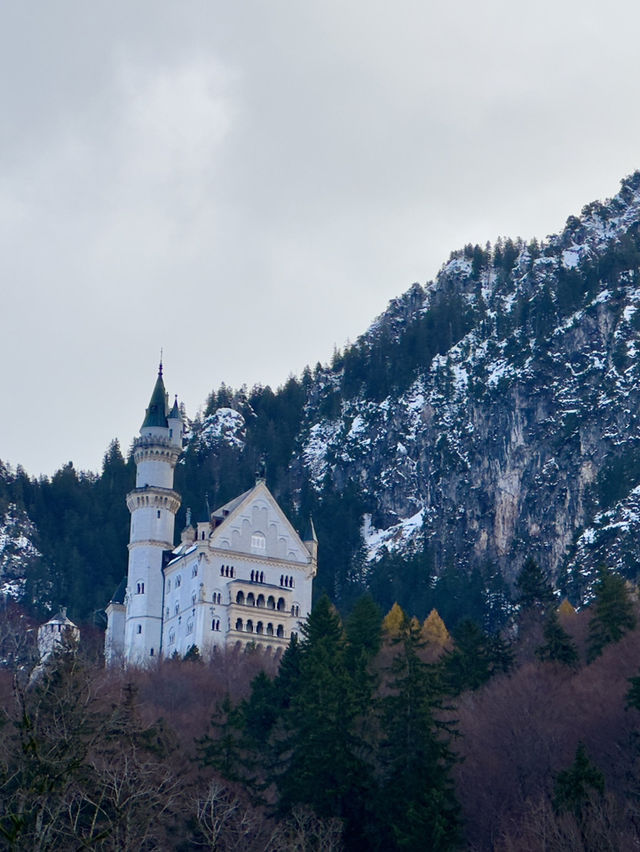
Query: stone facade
x=242, y=577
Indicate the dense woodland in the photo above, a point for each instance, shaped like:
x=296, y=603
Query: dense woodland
x=367, y=734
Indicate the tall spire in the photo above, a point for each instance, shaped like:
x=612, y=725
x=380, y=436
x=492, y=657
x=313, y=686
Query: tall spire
x=156, y=414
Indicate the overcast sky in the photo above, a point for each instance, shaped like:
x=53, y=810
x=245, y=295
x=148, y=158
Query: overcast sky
x=247, y=184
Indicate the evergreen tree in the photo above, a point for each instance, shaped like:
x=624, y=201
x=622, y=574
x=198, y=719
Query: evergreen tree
x=320, y=752
x=613, y=612
x=533, y=587
x=576, y=787
x=475, y=657
x=417, y=807
x=558, y=646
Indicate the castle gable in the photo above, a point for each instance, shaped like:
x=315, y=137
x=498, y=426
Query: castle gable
x=257, y=526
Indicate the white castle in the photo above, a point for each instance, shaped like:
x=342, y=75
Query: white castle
x=242, y=576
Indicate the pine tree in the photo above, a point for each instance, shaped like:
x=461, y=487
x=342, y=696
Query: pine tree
x=576, y=787
x=534, y=588
x=612, y=615
x=321, y=766
x=475, y=657
x=417, y=808
x=558, y=645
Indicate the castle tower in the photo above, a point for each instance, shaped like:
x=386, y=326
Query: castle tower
x=153, y=505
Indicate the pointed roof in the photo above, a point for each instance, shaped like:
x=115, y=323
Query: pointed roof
x=310, y=531
x=224, y=511
x=175, y=414
x=157, y=410
x=118, y=595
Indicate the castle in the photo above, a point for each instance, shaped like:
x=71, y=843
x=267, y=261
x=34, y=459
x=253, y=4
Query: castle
x=243, y=576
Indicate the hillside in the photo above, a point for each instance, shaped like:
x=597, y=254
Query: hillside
x=485, y=417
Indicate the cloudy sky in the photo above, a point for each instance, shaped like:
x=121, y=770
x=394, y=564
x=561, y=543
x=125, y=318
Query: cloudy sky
x=247, y=184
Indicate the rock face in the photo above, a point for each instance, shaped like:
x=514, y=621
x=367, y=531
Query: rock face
x=518, y=435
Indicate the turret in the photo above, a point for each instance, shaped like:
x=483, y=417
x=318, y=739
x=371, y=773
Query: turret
x=153, y=505
x=175, y=424
x=310, y=541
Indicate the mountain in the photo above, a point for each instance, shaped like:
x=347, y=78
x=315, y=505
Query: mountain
x=488, y=416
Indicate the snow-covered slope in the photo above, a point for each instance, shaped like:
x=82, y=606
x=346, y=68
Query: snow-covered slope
x=504, y=443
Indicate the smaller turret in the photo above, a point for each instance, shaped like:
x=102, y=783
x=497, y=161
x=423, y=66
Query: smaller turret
x=310, y=541
x=175, y=424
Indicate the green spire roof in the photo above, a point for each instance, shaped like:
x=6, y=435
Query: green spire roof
x=174, y=414
x=157, y=411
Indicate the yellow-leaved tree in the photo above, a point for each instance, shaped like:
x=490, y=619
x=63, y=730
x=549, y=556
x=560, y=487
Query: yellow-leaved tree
x=393, y=621
x=434, y=630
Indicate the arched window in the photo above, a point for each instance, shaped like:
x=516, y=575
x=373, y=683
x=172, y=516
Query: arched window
x=251, y=599
x=139, y=588
x=138, y=629
x=271, y=602
x=172, y=636
x=280, y=604
x=240, y=598
x=249, y=626
x=239, y=624
x=190, y=625
x=232, y=571
x=282, y=579
x=280, y=631
x=269, y=629
x=260, y=600
x=252, y=573
x=222, y=570
x=215, y=624
x=259, y=627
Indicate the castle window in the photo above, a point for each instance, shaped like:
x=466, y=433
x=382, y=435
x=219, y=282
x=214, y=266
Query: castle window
x=193, y=598
x=222, y=570
x=190, y=626
x=262, y=576
x=239, y=624
x=176, y=608
x=280, y=604
x=260, y=601
x=251, y=600
x=295, y=610
x=252, y=573
x=167, y=612
x=217, y=598
x=139, y=588
x=271, y=602
x=139, y=629
x=258, y=541
x=151, y=653
x=215, y=624
x=172, y=636
x=158, y=512
x=194, y=571
x=269, y=629
x=259, y=627
x=280, y=631
x=249, y=626
x=240, y=598
x=178, y=581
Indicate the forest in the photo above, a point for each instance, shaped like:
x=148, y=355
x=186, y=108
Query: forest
x=369, y=733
